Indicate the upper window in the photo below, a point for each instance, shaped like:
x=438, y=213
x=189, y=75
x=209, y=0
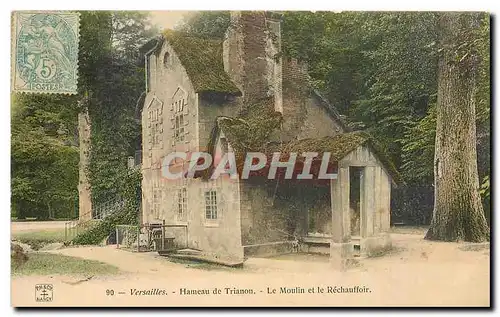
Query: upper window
x=155, y=124
x=179, y=105
x=166, y=59
x=179, y=127
x=180, y=120
x=211, y=204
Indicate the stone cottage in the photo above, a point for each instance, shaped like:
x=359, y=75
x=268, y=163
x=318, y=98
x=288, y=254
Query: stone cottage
x=243, y=95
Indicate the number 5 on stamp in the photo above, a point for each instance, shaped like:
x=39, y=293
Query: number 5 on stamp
x=44, y=52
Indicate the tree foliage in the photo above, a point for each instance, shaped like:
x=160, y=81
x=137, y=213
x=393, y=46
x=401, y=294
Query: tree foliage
x=115, y=129
x=131, y=193
x=206, y=24
x=44, y=157
x=44, y=148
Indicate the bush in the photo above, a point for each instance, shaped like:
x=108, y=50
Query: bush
x=127, y=216
x=37, y=239
x=17, y=255
x=102, y=230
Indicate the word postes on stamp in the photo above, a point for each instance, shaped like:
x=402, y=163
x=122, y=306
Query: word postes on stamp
x=45, y=52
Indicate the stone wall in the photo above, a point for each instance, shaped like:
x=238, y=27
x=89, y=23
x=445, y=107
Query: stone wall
x=209, y=110
x=169, y=82
x=252, y=43
x=263, y=219
x=276, y=213
x=254, y=61
x=218, y=238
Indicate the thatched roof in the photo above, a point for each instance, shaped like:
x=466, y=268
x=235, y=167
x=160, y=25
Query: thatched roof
x=203, y=62
x=252, y=135
x=253, y=128
x=340, y=146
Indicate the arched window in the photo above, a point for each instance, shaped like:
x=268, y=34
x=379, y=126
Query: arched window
x=166, y=59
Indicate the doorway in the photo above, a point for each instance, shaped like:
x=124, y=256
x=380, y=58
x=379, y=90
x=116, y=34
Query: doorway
x=355, y=199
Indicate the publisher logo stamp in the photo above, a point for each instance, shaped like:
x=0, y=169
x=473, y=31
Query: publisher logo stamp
x=44, y=292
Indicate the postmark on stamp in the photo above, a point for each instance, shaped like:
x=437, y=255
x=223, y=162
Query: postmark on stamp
x=44, y=52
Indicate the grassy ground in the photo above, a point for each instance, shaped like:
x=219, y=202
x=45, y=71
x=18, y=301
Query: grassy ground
x=52, y=264
x=39, y=238
x=54, y=235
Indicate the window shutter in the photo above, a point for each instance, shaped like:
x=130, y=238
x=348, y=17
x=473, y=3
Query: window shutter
x=185, y=107
x=221, y=202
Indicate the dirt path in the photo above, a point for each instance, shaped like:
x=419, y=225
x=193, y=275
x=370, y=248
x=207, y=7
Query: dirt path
x=418, y=273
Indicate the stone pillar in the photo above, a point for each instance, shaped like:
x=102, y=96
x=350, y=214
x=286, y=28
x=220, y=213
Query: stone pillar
x=341, y=248
x=367, y=208
x=84, y=194
x=386, y=202
x=368, y=197
x=372, y=242
x=377, y=219
x=275, y=67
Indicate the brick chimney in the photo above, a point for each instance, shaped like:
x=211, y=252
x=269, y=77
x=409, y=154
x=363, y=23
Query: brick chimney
x=252, y=55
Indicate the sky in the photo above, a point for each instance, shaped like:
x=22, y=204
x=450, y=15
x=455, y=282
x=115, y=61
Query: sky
x=167, y=19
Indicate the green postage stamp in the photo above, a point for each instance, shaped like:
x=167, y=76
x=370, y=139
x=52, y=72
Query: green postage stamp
x=45, y=52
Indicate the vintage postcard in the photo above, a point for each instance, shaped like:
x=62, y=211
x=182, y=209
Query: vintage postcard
x=250, y=158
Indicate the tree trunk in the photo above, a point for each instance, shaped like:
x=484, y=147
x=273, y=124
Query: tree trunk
x=84, y=194
x=458, y=213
